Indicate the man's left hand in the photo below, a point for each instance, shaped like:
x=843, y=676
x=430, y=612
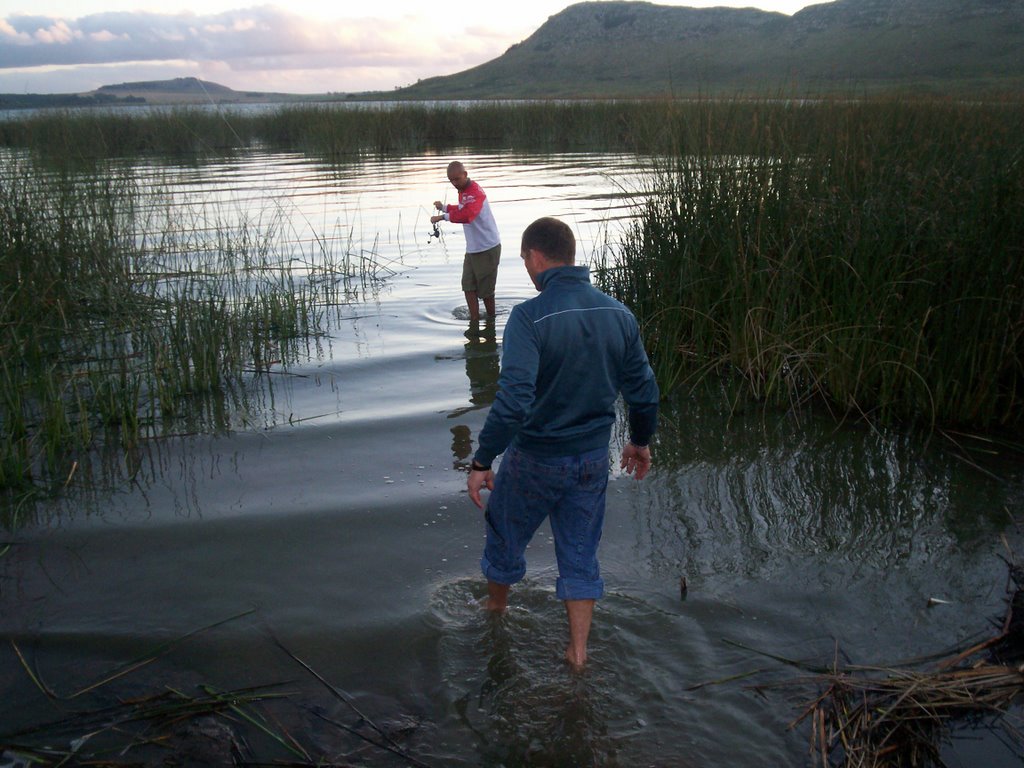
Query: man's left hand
x=636, y=460
x=435, y=219
x=478, y=480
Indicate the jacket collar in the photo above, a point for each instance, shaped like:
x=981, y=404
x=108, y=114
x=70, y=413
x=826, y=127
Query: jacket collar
x=572, y=274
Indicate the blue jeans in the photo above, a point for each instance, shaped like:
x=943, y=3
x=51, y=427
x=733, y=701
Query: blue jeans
x=570, y=492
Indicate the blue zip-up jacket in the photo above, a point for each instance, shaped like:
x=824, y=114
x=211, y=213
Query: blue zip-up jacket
x=566, y=355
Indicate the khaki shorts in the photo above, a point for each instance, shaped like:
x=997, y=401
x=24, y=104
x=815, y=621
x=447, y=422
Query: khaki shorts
x=480, y=272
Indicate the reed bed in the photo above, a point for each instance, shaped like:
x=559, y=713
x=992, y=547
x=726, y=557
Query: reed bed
x=333, y=130
x=66, y=135
x=119, y=324
x=865, y=254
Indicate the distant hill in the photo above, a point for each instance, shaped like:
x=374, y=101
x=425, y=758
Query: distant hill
x=181, y=90
x=187, y=90
x=179, y=86
x=597, y=49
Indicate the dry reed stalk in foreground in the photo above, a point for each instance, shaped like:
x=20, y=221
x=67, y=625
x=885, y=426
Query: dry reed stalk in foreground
x=897, y=720
x=873, y=717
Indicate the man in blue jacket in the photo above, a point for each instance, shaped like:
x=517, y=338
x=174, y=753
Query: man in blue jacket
x=567, y=354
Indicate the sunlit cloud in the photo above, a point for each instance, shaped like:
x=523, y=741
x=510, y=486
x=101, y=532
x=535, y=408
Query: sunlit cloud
x=354, y=54
x=59, y=33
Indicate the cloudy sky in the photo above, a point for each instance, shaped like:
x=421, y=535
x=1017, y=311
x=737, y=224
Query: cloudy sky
x=296, y=46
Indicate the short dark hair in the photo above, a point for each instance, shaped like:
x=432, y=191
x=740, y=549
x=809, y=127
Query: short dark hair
x=551, y=237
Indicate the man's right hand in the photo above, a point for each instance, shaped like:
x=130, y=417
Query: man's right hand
x=636, y=460
x=478, y=480
x=439, y=205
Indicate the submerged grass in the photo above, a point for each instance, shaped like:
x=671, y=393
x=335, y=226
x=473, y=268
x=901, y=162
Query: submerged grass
x=119, y=324
x=870, y=254
x=119, y=720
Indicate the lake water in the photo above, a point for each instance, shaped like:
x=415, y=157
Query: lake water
x=335, y=525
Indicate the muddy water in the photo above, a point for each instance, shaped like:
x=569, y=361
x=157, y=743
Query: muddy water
x=334, y=528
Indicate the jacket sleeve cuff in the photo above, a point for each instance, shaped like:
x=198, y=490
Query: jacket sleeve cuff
x=643, y=423
x=483, y=458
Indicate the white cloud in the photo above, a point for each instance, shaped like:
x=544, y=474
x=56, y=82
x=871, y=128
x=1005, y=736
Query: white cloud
x=249, y=34
x=58, y=33
x=104, y=36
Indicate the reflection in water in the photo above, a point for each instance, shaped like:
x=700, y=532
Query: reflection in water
x=737, y=489
x=462, y=446
x=482, y=368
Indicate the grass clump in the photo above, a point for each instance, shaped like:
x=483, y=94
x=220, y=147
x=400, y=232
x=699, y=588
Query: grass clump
x=867, y=253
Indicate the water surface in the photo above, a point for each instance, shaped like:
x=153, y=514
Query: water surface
x=333, y=522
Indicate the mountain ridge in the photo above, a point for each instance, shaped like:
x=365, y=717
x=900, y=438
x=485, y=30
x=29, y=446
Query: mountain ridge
x=632, y=48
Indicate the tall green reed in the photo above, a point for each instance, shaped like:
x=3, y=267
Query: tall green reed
x=120, y=323
x=870, y=254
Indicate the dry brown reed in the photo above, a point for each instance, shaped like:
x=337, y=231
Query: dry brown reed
x=898, y=717
x=863, y=720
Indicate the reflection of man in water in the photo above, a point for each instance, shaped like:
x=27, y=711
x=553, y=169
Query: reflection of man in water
x=482, y=369
x=567, y=354
x=462, y=446
x=483, y=244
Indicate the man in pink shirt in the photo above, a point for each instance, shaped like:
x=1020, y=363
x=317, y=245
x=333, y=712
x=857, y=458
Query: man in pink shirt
x=483, y=244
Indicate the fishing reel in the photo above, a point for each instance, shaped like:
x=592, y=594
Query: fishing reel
x=435, y=233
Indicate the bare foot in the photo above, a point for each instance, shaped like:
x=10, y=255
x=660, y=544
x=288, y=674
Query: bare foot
x=486, y=604
x=576, y=659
